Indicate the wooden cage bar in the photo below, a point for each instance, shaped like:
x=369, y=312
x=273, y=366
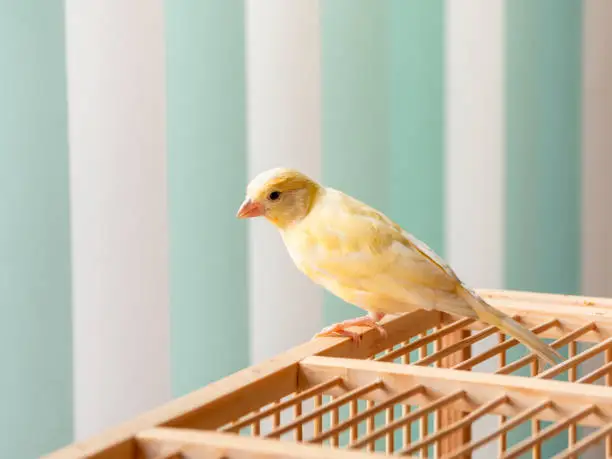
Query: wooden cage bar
x=330, y=398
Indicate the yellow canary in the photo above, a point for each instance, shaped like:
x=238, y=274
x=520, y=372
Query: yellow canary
x=363, y=257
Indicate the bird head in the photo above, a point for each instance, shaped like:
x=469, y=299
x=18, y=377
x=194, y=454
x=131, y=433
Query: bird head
x=283, y=196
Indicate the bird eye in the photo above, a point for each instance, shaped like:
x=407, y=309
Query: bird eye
x=274, y=195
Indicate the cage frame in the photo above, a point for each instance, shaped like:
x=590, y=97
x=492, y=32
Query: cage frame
x=206, y=422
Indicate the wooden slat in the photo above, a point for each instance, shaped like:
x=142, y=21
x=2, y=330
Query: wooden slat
x=542, y=301
x=570, y=313
x=366, y=414
x=571, y=353
x=243, y=392
x=550, y=431
x=333, y=422
x=501, y=430
x=276, y=408
x=297, y=412
x=457, y=345
x=448, y=418
x=569, y=363
x=318, y=420
x=207, y=444
x=256, y=428
x=176, y=454
x=500, y=348
x=536, y=451
x=414, y=415
x=558, y=343
x=424, y=421
x=439, y=417
x=604, y=370
x=460, y=424
x=397, y=327
x=425, y=339
x=608, y=359
x=276, y=416
x=390, y=441
x=524, y=392
x=407, y=430
x=572, y=433
x=370, y=425
x=501, y=338
x=585, y=443
x=351, y=395
x=353, y=413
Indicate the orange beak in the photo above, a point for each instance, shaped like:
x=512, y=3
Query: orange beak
x=250, y=209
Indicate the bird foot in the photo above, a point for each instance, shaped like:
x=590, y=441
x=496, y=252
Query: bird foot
x=337, y=330
x=340, y=328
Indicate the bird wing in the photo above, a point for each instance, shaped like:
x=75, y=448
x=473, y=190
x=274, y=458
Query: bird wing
x=358, y=248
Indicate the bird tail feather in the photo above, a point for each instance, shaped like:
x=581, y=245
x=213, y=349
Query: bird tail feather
x=492, y=316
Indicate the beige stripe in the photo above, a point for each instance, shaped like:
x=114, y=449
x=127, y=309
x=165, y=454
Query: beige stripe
x=596, y=160
x=597, y=149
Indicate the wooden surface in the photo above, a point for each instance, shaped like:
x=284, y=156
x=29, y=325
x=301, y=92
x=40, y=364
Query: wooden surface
x=160, y=442
x=166, y=430
x=220, y=402
x=481, y=387
x=447, y=417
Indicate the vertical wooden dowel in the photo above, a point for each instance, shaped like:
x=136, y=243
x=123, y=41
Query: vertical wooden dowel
x=276, y=419
x=455, y=440
x=318, y=421
x=422, y=349
x=437, y=414
x=370, y=426
x=571, y=351
x=572, y=431
x=389, y=416
x=537, y=448
x=502, y=363
x=256, y=427
x=424, y=431
x=424, y=419
x=297, y=412
x=390, y=445
x=353, y=409
x=407, y=429
x=334, y=418
x=608, y=357
x=535, y=425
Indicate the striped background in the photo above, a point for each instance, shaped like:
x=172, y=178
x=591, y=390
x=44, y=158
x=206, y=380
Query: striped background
x=129, y=128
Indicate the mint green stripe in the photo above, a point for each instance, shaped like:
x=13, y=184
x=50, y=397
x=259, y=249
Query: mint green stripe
x=543, y=96
x=417, y=118
x=543, y=150
x=207, y=178
x=355, y=109
x=35, y=318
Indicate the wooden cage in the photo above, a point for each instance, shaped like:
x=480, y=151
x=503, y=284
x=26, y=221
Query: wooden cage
x=421, y=391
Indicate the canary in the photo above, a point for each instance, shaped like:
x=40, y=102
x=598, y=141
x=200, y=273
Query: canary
x=363, y=257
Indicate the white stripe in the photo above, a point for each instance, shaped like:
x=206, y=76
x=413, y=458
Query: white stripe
x=475, y=141
x=475, y=203
x=283, y=68
x=118, y=198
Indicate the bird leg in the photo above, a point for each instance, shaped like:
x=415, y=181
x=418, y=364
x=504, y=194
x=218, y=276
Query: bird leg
x=340, y=328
